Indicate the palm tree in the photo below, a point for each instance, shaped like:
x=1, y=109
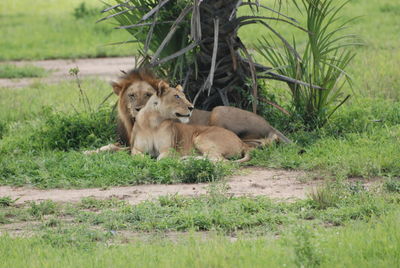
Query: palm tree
x=195, y=43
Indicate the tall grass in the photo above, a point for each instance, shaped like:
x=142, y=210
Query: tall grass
x=323, y=62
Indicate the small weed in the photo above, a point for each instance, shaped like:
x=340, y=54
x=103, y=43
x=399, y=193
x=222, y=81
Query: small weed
x=324, y=197
x=53, y=222
x=81, y=237
x=392, y=185
x=203, y=170
x=305, y=250
x=43, y=208
x=90, y=203
x=6, y=201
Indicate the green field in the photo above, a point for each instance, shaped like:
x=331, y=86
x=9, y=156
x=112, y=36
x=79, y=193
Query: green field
x=44, y=128
x=49, y=30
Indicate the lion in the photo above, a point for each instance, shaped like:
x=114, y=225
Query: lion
x=161, y=126
x=134, y=90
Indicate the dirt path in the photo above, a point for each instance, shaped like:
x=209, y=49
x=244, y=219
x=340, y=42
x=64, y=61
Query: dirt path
x=103, y=68
x=279, y=184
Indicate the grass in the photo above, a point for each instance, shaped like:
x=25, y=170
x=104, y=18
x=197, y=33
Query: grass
x=340, y=224
x=374, y=70
x=75, y=170
x=57, y=30
x=96, y=232
x=13, y=71
x=42, y=147
x=336, y=204
x=358, y=245
x=21, y=104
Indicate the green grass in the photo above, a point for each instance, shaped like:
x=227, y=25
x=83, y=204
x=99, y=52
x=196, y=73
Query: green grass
x=54, y=31
x=375, y=69
x=341, y=224
x=20, y=104
x=13, y=71
x=358, y=245
x=102, y=232
x=336, y=204
x=42, y=147
x=74, y=169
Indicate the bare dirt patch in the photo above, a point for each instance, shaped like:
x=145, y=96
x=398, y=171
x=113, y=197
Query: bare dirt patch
x=279, y=184
x=103, y=68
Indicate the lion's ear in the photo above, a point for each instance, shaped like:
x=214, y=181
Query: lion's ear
x=116, y=87
x=179, y=87
x=161, y=88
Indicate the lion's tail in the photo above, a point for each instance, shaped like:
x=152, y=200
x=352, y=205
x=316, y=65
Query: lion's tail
x=282, y=137
x=246, y=156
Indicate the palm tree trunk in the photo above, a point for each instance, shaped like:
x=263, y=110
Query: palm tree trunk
x=222, y=73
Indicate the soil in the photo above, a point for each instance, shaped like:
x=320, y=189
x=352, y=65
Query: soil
x=280, y=184
x=103, y=68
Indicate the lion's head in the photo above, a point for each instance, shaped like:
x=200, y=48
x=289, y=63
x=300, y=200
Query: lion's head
x=172, y=103
x=134, y=89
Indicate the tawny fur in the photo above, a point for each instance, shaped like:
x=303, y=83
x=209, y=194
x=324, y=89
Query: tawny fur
x=134, y=90
x=157, y=132
x=251, y=128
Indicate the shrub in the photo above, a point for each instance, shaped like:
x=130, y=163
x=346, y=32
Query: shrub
x=323, y=63
x=77, y=130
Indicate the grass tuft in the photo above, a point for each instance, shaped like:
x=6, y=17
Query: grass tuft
x=62, y=131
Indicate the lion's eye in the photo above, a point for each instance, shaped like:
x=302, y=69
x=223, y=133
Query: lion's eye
x=148, y=95
x=177, y=97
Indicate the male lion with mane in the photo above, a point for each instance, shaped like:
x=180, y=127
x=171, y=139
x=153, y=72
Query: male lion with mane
x=136, y=87
x=157, y=132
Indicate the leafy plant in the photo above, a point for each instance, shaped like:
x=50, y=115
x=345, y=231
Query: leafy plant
x=6, y=201
x=43, y=208
x=65, y=131
x=195, y=43
x=323, y=62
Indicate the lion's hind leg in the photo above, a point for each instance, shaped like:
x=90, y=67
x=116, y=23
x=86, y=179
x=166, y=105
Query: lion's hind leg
x=208, y=148
x=262, y=142
x=219, y=144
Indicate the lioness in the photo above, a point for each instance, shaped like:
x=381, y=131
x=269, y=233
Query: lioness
x=134, y=90
x=156, y=130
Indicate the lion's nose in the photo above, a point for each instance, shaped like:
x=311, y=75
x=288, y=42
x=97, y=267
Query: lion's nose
x=191, y=108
